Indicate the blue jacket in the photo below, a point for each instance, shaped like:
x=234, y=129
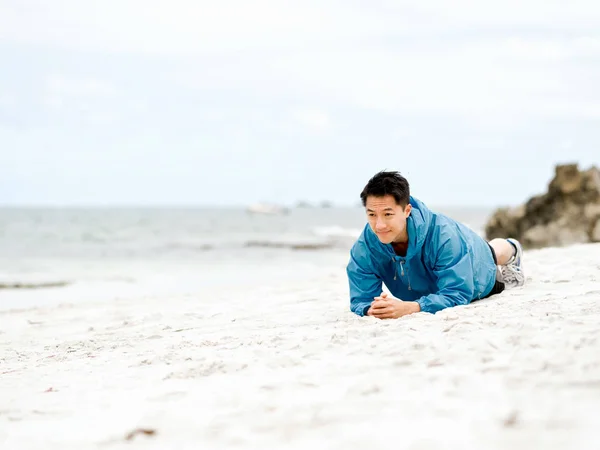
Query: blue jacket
x=446, y=264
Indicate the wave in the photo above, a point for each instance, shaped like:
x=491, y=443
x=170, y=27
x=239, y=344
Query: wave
x=317, y=238
x=291, y=245
x=188, y=246
x=335, y=231
x=34, y=285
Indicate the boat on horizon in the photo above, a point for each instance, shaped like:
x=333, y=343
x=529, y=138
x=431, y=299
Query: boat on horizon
x=267, y=209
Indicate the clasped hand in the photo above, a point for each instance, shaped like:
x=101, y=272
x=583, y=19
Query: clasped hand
x=388, y=307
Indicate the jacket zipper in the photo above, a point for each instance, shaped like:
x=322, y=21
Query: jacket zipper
x=407, y=277
x=402, y=273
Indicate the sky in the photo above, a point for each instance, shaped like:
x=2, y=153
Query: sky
x=191, y=102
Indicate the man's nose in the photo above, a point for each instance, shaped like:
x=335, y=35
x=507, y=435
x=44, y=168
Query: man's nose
x=380, y=225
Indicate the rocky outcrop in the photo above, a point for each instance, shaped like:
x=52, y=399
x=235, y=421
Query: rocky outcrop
x=568, y=213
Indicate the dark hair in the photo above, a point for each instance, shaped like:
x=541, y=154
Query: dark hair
x=387, y=183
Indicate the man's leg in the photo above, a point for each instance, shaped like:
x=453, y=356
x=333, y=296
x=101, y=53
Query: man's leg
x=509, y=254
x=504, y=250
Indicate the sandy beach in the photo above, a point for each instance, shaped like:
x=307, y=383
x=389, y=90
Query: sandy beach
x=286, y=365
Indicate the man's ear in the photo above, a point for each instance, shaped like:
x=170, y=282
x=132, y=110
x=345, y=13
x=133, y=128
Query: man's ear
x=407, y=210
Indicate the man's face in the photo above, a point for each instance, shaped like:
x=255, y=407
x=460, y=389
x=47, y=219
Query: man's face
x=387, y=219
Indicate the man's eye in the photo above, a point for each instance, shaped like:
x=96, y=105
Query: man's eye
x=389, y=214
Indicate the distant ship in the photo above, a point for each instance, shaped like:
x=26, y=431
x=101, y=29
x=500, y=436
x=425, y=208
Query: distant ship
x=267, y=209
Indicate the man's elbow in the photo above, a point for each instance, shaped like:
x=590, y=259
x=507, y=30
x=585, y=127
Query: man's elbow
x=360, y=309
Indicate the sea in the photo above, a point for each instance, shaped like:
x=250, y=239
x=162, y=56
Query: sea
x=52, y=256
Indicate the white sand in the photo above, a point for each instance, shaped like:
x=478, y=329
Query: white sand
x=289, y=366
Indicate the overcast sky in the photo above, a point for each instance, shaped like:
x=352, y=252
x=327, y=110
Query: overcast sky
x=235, y=102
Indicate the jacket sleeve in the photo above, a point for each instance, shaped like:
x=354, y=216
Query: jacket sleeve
x=364, y=283
x=453, y=270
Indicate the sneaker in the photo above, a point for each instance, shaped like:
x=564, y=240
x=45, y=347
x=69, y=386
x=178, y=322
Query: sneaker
x=512, y=271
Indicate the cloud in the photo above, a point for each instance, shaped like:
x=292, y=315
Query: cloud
x=7, y=99
x=312, y=119
x=464, y=57
x=87, y=100
x=61, y=92
x=577, y=15
x=78, y=87
x=201, y=26
x=184, y=26
x=500, y=76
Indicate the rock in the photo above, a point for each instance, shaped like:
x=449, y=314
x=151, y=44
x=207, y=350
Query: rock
x=596, y=232
x=568, y=213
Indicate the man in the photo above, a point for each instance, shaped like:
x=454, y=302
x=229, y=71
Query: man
x=427, y=260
